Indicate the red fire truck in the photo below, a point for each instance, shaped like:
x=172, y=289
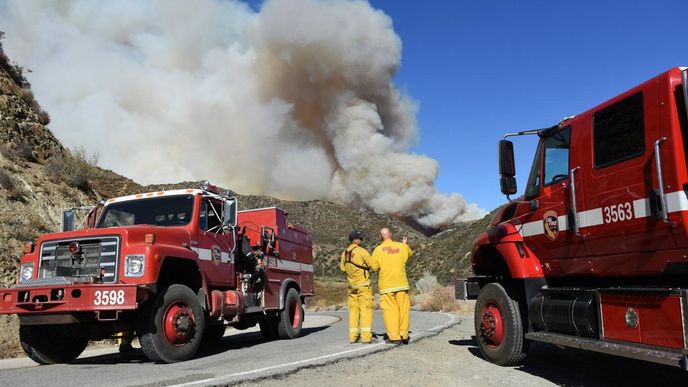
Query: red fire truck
x=594, y=254
x=173, y=267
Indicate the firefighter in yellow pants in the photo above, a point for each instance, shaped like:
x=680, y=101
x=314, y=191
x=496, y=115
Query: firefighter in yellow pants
x=355, y=263
x=389, y=258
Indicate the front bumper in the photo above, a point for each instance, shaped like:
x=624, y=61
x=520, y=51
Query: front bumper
x=466, y=289
x=70, y=298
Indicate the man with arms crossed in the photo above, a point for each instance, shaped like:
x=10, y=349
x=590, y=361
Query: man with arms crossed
x=355, y=263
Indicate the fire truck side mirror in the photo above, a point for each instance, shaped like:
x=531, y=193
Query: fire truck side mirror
x=507, y=167
x=67, y=220
x=229, y=218
x=508, y=185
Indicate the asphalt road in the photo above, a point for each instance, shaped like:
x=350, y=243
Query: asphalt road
x=240, y=356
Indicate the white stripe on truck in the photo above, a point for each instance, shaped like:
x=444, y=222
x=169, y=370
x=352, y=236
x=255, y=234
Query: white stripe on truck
x=676, y=202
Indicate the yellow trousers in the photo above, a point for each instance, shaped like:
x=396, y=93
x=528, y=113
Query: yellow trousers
x=396, y=308
x=360, y=314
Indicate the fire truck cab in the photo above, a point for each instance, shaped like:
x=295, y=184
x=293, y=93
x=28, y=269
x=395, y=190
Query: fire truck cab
x=594, y=253
x=171, y=267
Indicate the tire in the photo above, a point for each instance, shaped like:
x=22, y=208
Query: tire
x=269, y=328
x=173, y=329
x=213, y=334
x=52, y=344
x=498, y=326
x=291, y=317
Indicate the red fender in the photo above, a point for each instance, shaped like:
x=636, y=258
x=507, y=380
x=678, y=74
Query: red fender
x=503, y=245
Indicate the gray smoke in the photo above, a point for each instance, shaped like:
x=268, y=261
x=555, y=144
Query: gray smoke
x=296, y=100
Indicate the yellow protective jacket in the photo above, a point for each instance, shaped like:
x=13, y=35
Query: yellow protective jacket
x=390, y=258
x=354, y=261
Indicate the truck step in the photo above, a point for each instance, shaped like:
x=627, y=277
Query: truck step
x=634, y=351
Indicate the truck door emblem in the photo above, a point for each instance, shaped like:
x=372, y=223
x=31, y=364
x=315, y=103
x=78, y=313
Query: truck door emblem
x=216, y=255
x=631, y=318
x=550, y=222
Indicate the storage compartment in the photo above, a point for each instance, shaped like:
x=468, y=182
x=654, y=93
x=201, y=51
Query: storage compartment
x=652, y=319
x=270, y=226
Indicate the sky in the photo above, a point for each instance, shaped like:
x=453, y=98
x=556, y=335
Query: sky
x=480, y=69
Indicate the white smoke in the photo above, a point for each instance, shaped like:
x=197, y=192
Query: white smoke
x=296, y=100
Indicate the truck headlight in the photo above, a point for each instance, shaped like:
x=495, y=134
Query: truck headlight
x=26, y=272
x=134, y=265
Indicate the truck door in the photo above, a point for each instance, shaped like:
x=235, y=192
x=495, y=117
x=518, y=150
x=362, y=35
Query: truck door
x=617, y=184
x=545, y=228
x=214, y=247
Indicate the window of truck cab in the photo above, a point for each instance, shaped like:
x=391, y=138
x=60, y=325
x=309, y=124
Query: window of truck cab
x=556, y=157
x=618, y=132
x=162, y=211
x=551, y=163
x=533, y=185
x=210, y=215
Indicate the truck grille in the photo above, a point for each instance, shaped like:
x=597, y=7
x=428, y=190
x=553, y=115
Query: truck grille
x=96, y=255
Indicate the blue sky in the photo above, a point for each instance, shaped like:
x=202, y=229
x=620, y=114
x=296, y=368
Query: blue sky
x=480, y=69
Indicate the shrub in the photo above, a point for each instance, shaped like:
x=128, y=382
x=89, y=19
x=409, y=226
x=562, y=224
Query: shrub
x=441, y=299
x=7, y=182
x=7, y=152
x=23, y=151
x=43, y=116
x=427, y=283
x=72, y=167
x=15, y=71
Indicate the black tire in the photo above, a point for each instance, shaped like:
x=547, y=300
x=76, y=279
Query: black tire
x=52, y=344
x=495, y=309
x=291, y=317
x=173, y=329
x=268, y=328
x=213, y=334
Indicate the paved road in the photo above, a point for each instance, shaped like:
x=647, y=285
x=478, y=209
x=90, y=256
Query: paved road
x=241, y=355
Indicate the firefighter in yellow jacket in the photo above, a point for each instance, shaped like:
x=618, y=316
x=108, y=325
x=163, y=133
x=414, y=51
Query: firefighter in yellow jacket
x=356, y=264
x=389, y=258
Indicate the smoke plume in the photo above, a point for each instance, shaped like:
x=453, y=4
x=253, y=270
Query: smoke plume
x=296, y=100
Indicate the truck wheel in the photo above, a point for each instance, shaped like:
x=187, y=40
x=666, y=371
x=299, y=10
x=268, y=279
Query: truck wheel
x=498, y=326
x=173, y=329
x=291, y=318
x=51, y=344
x=268, y=328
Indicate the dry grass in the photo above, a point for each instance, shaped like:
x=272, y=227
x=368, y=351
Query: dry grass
x=9, y=337
x=76, y=168
x=329, y=294
x=440, y=299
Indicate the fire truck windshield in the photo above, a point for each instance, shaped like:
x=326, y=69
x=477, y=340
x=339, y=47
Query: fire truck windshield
x=160, y=211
